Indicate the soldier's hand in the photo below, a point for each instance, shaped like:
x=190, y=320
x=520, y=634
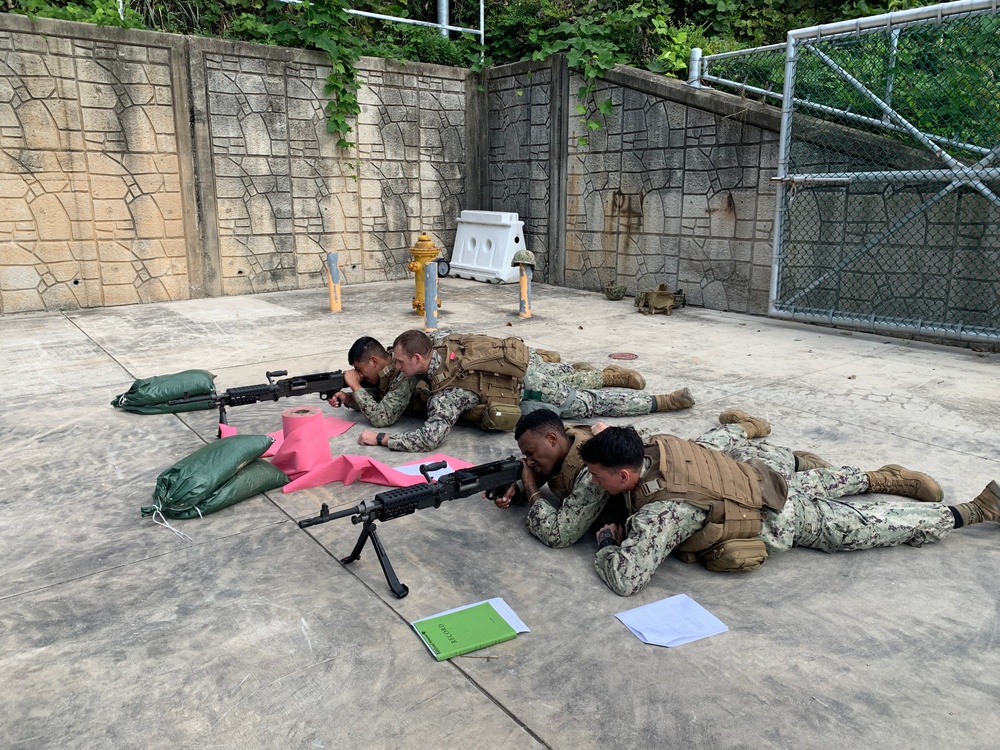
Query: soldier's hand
x=352, y=379
x=340, y=398
x=504, y=500
x=614, y=530
x=368, y=437
x=528, y=477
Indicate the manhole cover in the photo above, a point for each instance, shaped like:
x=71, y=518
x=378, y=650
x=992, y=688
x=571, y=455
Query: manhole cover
x=623, y=355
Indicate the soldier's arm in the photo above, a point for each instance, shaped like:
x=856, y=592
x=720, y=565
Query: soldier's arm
x=653, y=532
x=561, y=527
x=443, y=410
x=387, y=411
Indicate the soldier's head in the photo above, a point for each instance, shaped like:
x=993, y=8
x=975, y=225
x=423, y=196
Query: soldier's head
x=369, y=358
x=542, y=438
x=411, y=352
x=614, y=458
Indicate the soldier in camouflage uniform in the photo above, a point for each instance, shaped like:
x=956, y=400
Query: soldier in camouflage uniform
x=383, y=395
x=552, y=456
x=813, y=513
x=377, y=390
x=553, y=383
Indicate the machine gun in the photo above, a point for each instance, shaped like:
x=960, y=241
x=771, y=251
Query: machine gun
x=493, y=478
x=323, y=383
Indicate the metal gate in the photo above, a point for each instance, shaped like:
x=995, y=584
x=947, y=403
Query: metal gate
x=888, y=201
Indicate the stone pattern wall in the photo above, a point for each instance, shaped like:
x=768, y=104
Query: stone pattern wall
x=91, y=211
x=667, y=193
x=519, y=168
x=144, y=167
x=286, y=194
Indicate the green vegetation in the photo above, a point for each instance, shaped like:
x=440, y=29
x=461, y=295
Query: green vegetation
x=594, y=34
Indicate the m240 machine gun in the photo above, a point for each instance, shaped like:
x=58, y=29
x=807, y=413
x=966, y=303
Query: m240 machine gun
x=493, y=478
x=323, y=383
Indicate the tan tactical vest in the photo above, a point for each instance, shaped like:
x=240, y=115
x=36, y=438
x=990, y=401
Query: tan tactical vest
x=490, y=367
x=733, y=493
x=418, y=401
x=562, y=484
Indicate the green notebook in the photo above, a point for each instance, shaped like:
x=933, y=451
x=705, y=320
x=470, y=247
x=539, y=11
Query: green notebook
x=463, y=631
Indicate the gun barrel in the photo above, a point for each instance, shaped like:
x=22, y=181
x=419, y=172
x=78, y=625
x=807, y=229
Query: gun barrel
x=325, y=517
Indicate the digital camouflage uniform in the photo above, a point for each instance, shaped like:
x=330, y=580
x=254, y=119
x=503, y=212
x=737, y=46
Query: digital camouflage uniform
x=814, y=516
x=579, y=394
x=563, y=526
x=386, y=410
x=544, y=381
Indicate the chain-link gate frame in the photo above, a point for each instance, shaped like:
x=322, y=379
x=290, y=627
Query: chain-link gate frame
x=888, y=201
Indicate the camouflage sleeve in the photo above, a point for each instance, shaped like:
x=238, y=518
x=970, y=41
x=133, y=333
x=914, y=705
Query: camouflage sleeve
x=387, y=411
x=653, y=531
x=352, y=402
x=443, y=410
x=563, y=526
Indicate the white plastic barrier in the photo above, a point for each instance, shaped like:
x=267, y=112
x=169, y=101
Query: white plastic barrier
x=485, y=244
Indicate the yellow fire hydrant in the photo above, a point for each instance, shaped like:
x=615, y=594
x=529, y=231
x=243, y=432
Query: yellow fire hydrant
x=423, y=253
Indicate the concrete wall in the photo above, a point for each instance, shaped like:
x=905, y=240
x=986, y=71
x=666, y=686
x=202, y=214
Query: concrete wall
x=143, y=167
x=138, y=167
x=674, y=188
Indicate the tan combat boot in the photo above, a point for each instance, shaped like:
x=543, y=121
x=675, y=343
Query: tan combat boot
x=893, y=479
x=582, y=366
x=986, y=506
x=680, y=399
x=616, y=376
x=804, y=461
x=548, y=355
x=754, y=427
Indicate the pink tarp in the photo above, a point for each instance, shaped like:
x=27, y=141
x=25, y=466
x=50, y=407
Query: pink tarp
x=302, y=451
x=348, y=469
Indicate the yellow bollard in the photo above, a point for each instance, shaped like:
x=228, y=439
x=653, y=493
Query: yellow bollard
x=423, y=253
x=333, y=281
x=525, y=260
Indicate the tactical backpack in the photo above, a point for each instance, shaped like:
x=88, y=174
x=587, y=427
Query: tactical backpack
x=659, y=300
x=490, y=367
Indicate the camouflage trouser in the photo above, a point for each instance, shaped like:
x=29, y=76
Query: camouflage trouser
x=731, y=439
x=578, y=394
x=814, y=516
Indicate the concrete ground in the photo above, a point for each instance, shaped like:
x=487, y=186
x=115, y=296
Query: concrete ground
x=115, y=633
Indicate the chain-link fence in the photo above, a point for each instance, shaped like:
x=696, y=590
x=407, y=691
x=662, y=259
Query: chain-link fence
x=888, y=211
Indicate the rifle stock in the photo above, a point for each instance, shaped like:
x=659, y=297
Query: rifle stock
x=491, y=478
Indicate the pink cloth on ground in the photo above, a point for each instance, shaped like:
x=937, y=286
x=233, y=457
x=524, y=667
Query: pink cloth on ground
x=304, y=455
x=349, y=469
x=332, y=427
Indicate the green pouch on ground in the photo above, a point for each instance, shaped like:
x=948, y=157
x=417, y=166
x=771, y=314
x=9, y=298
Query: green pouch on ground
x=151, y=395
x=501, y=417
x=256, y=477
x=192, y=481
x=735, y=556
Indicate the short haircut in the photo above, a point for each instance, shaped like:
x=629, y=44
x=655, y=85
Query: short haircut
x=364, y=348
x=614, y=448
x=539, y=421
x=413, y=342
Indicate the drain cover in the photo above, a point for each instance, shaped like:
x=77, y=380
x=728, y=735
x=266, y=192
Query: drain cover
x=623, y=355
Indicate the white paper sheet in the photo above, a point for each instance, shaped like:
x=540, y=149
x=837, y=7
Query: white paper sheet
x=671, y=622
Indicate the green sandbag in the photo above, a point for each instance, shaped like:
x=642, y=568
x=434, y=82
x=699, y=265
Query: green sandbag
x=194, y=479
x=151, y=395
x=256, y=477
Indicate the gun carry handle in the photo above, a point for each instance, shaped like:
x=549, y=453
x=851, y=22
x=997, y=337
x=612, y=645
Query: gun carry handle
x=426, y=469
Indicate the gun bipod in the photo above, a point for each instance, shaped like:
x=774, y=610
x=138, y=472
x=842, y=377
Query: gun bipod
x=368, y=532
